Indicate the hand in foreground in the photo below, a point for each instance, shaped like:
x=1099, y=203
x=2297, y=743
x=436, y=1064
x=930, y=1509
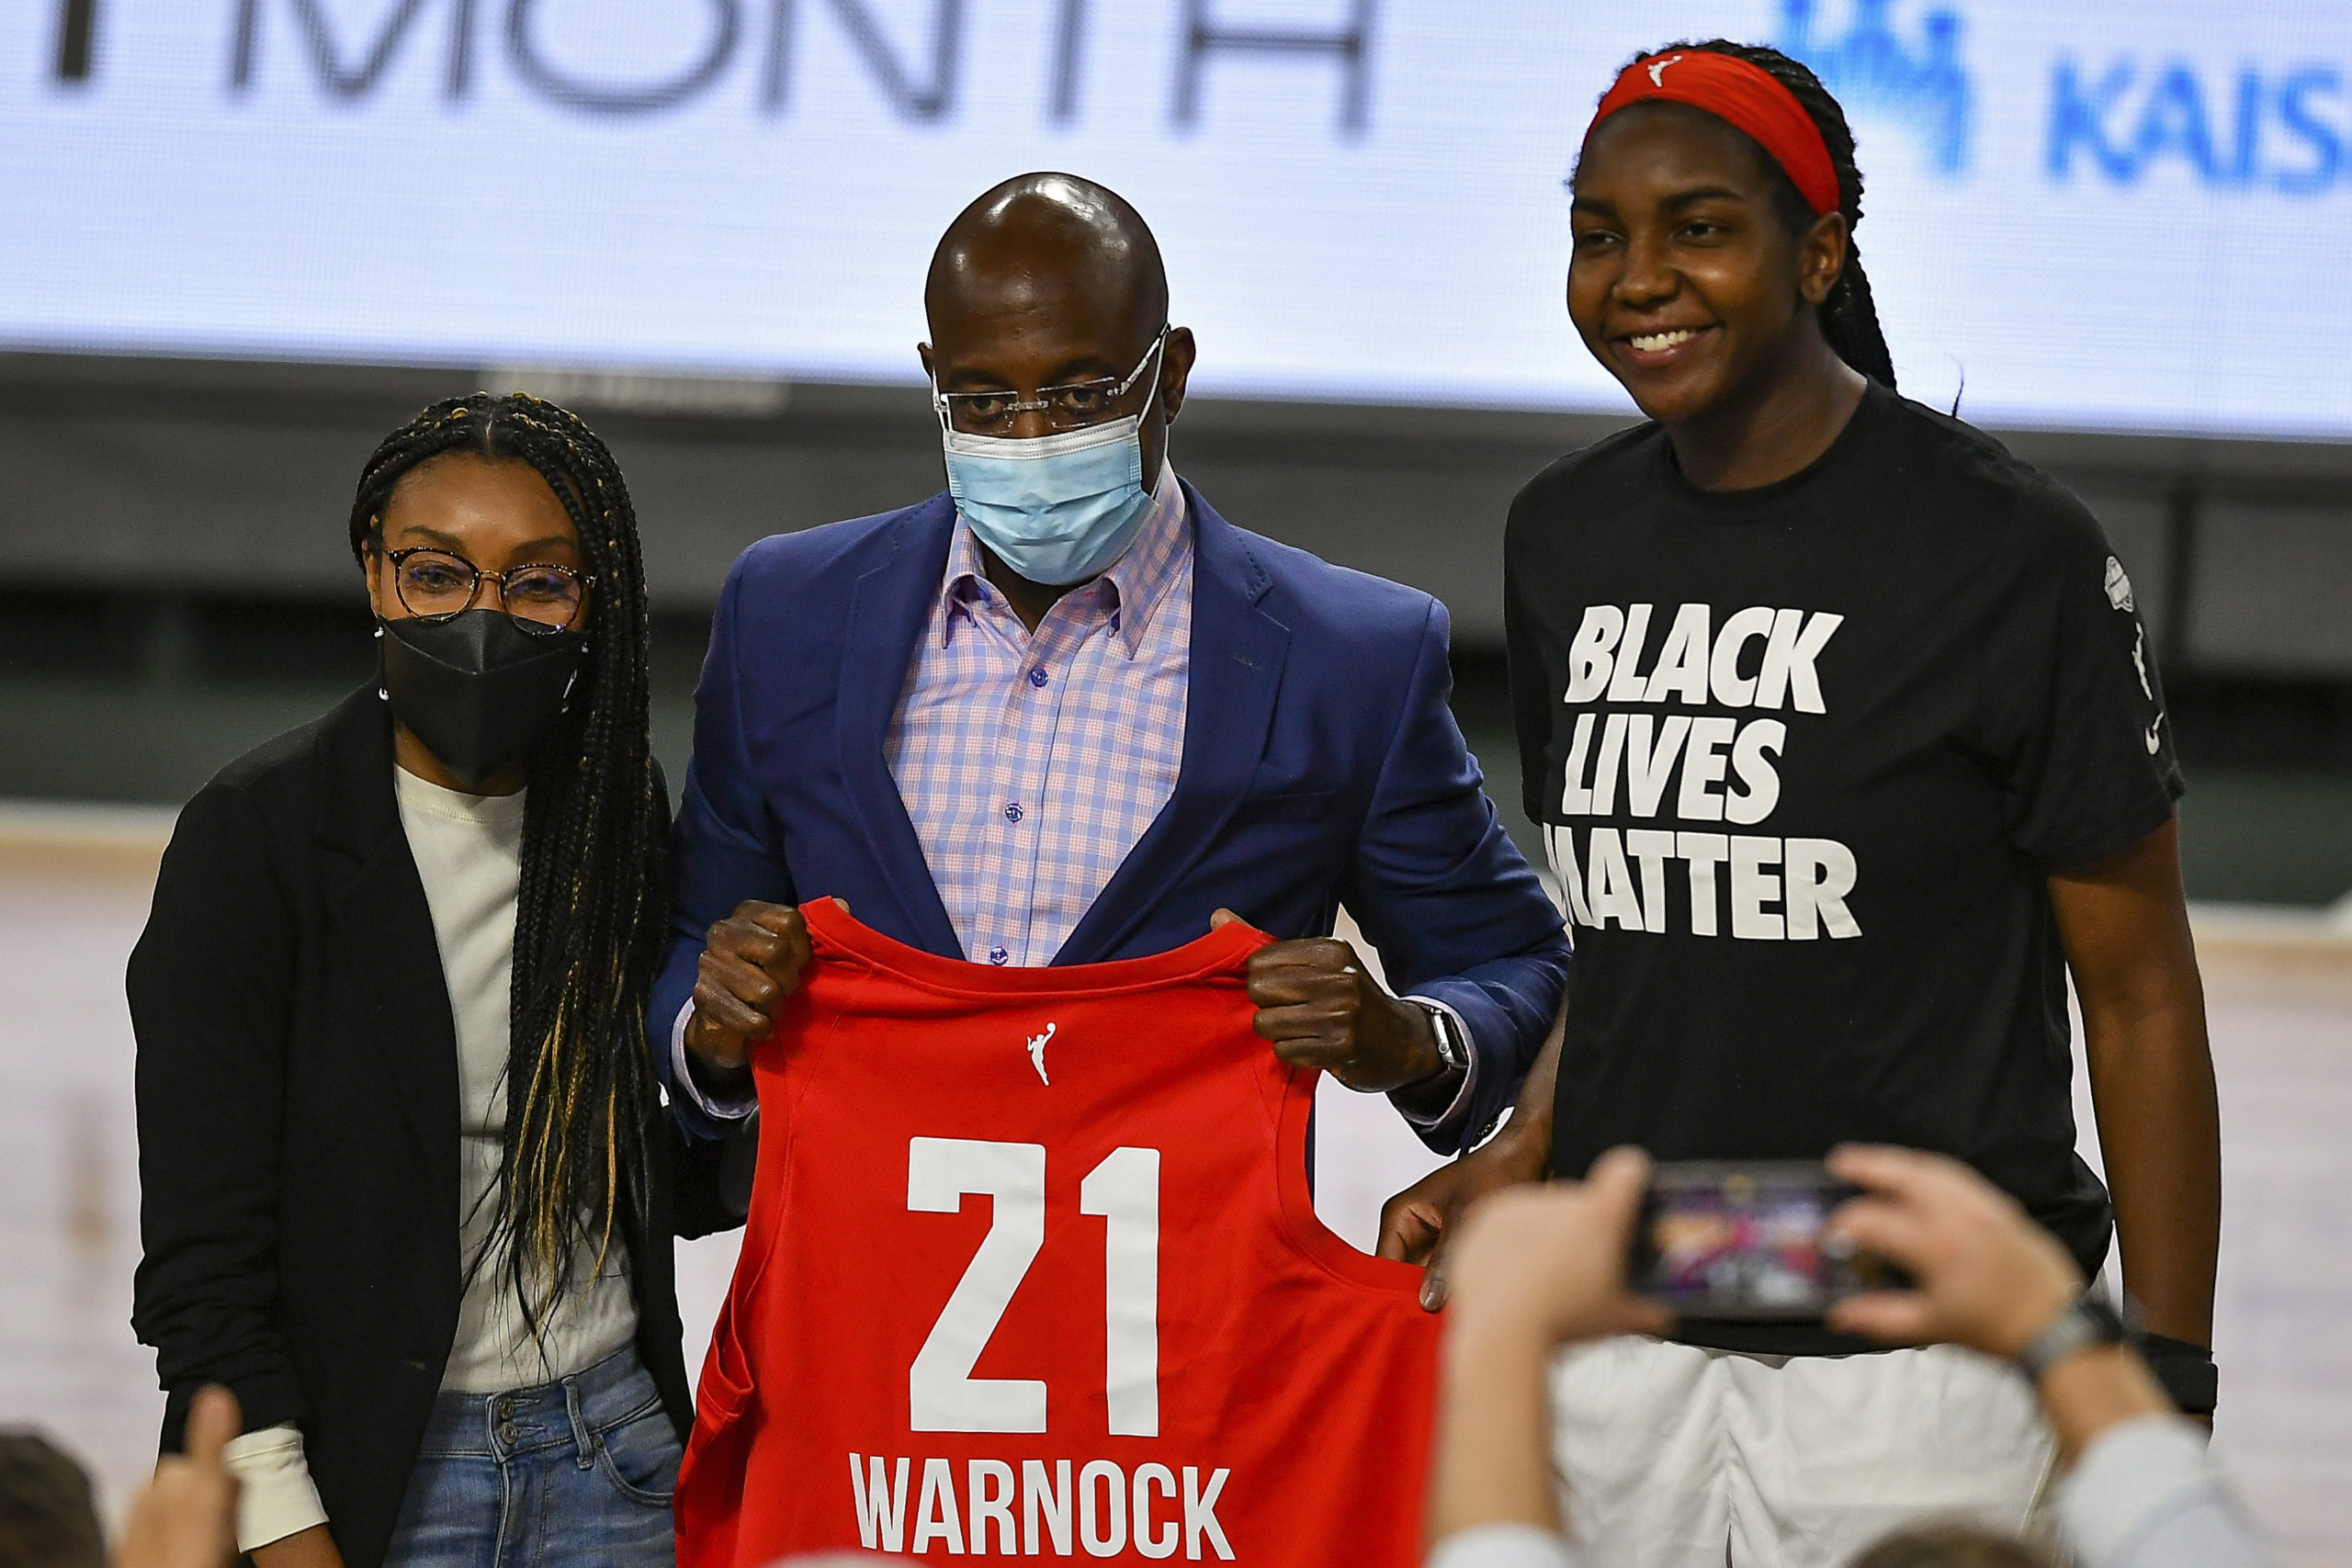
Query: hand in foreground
x=187, y=1517
x=1320, y=1007
x=1549, y=1261
x=750, y=966
x=1533, y=1267
x=1418, y=1224
x=1987, y=1276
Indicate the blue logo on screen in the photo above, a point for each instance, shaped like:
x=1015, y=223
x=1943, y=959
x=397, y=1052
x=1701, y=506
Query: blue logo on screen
x=2279, y=129
x=1872, y=70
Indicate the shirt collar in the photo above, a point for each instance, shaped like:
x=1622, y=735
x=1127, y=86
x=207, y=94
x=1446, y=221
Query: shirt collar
x=1131, y=589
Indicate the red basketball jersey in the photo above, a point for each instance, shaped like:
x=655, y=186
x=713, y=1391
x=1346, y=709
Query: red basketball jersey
x=1032, y=1270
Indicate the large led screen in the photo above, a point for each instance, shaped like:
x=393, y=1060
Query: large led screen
x=2127, y=214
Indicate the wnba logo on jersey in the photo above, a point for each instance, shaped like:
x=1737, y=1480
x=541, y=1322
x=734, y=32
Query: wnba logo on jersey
x=1036, y=1046
x=1713, y=770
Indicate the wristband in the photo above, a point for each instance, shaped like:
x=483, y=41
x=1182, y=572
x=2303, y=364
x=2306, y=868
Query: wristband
x=2185, y=1371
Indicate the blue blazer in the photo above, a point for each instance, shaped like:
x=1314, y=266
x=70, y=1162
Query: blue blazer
x=1321, y=766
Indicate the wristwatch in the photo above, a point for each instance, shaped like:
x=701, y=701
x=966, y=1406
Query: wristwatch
x=1451, y=1049
x=2089, y=1321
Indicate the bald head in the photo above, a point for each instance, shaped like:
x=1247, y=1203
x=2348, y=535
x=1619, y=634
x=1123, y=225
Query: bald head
x=1048, y=243
x=1050, y=280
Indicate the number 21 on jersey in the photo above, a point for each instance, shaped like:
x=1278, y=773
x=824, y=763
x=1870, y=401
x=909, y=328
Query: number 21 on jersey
x=1124, y=1191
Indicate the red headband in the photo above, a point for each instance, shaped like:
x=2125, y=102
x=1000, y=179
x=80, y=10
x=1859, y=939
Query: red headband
x=1747, y=97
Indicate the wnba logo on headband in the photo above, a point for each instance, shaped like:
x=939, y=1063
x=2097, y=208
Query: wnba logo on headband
x=1747, y=97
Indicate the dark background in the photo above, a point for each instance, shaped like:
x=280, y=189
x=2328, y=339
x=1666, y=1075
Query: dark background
x=175, y=584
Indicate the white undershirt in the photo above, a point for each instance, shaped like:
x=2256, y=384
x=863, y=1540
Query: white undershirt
x=467, y=851
x=2145, y=1495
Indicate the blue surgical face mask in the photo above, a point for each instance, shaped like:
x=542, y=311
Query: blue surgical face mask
x=1057, y=509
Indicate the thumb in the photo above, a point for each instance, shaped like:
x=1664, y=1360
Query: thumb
x=1222, y=917
x=1618, y=1174
x=213, y=1422
x=1618, y=1180
x=1435, y=1286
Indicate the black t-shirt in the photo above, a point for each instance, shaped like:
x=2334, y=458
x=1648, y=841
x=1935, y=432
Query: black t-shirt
x=1803, y=757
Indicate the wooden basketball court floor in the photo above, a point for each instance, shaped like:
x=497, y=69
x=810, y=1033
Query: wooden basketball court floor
x=74, y=889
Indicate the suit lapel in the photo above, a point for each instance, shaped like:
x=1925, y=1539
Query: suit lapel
x=1236, y=670
x=386, y=959
x=889, y=611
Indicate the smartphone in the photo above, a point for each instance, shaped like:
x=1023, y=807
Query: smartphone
x=1741, y=1239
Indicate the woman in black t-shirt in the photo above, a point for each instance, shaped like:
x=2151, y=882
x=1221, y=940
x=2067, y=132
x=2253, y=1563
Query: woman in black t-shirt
x=1848, y=744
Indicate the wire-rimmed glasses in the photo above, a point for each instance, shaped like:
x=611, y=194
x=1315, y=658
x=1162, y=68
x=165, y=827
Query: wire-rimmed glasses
x=1066, y=408
x=539, y=597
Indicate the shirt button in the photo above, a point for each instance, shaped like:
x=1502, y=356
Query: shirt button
x=1013, y=811
x=997, y=954
x=1038, y=677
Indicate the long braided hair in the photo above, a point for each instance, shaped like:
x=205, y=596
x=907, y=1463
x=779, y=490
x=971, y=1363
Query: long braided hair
x=1849, y=315
x=595, y=888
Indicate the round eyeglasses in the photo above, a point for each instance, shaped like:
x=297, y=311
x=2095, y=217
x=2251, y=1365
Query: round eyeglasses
x=433, y=585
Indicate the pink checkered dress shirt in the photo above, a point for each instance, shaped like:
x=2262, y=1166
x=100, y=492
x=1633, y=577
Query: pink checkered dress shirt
x=1031, y=762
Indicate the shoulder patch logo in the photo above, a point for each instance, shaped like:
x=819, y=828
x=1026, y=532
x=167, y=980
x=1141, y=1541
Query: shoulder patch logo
x=2118, y=587
x=1037, y=1054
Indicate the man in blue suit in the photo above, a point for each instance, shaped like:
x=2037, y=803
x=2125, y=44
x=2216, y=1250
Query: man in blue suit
x=1067, y=713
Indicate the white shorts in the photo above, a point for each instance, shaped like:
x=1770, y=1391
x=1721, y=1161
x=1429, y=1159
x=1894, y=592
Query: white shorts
x=1674, y=1457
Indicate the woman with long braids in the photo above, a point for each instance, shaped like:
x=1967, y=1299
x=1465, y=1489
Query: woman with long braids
x=406, y=1180
x=1848, y=746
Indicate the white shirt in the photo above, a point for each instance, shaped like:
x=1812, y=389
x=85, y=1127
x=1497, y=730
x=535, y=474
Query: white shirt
x=468, y=854
x=2145, y=1495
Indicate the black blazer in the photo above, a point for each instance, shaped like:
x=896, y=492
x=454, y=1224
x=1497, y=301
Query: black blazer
x=297, y=1124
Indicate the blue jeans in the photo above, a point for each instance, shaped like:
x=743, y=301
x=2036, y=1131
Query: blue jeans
x=575, y=1471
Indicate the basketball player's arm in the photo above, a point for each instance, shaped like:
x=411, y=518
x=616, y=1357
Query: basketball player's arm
x=1416, y=1223
x=2124, y=923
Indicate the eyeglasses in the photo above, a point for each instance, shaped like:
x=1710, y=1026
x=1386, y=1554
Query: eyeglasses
x=433, y=585
x=1071, y=406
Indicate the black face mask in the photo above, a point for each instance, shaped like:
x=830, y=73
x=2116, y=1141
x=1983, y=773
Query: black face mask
x=477, y=689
